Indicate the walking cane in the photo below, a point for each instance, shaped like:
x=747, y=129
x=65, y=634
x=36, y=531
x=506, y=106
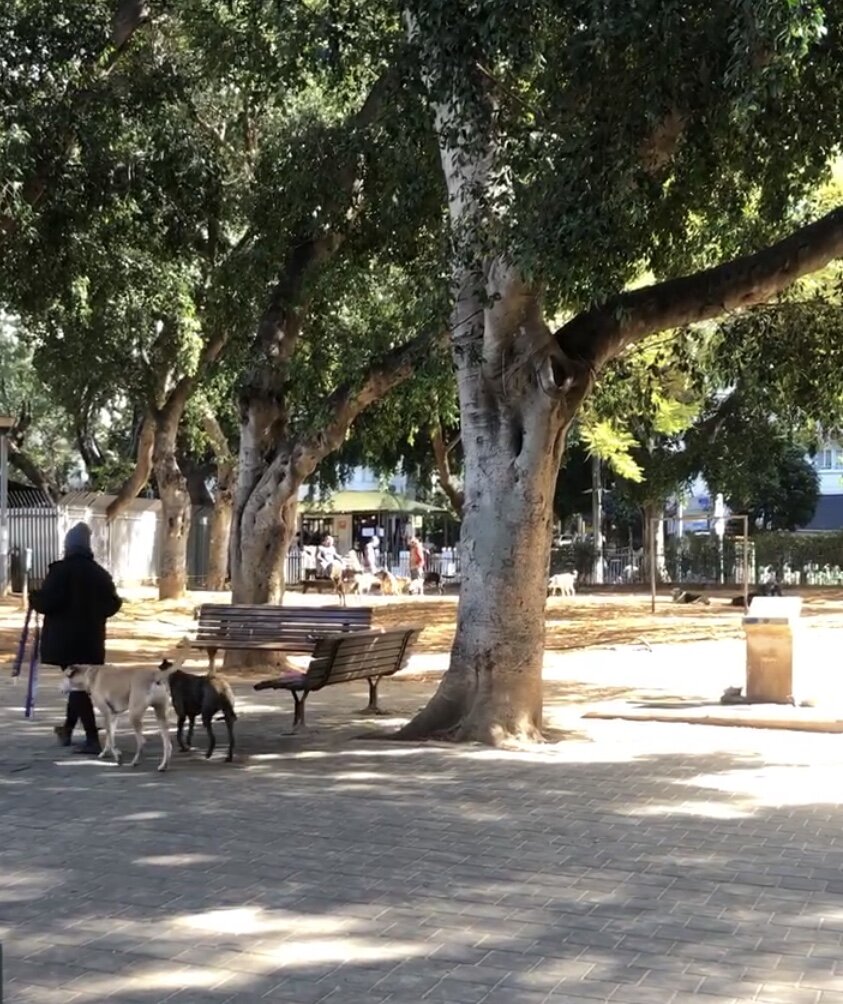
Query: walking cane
x=24, y=636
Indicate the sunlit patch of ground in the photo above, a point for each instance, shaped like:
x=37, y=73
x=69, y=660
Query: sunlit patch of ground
x=147, y=627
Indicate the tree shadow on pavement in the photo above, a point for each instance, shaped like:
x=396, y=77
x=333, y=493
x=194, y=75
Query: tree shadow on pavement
x=642, y=865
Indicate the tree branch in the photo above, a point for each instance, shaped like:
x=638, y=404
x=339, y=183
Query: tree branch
x=142, y=472
x=347, y=402
x=443, y=468
x=280, y=325
x=216, y=437
x=176, y=401
x=657, y=150
x=225, y=457
x=596, y=336
x=129, y=16
x=22, y=461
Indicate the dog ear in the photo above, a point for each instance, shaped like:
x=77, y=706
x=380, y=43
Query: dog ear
x=165, y=664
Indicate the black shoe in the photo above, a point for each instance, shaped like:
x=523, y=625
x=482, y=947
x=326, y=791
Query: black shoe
x=62, y=734
x=89, y=749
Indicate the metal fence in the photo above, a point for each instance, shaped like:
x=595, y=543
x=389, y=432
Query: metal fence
x=39, y=531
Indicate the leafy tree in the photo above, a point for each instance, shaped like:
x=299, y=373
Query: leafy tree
x=582, y=148
x=762, y=472
x=40, y=447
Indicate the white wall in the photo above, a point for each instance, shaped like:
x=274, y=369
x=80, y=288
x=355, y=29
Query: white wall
x=829, y=465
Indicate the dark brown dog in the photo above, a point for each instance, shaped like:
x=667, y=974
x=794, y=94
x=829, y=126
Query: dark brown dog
x=207, y=696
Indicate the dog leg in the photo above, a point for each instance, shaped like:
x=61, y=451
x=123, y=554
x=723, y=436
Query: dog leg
x=190, y=726
x=207, y=718
x=164, y=728
x=136, y=721
x=108, y=745
x=179, y=737
x=229, y=724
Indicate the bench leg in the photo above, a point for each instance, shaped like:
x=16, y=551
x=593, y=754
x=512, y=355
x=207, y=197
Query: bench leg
x=373, y=708
x=298, y=710
x=212, y=659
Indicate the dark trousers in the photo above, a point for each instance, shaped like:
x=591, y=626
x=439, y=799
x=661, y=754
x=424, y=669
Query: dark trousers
x=80, y=709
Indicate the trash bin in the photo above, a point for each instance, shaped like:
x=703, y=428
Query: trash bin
x=771, y=627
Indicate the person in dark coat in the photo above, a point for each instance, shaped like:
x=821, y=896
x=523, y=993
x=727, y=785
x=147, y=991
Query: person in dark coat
x=77, y=598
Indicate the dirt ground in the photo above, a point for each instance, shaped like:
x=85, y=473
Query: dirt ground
x=147, y=627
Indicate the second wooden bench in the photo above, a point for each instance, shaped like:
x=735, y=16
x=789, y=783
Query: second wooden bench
x=265, y=628
x=361, y=655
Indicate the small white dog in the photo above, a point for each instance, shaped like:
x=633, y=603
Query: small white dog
x=115, y=690
x=562, y=584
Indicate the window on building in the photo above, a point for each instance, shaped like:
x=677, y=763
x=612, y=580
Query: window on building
x=824, y=460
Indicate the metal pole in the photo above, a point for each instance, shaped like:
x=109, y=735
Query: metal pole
x=745, y=521
x=597, y=520
x=4, y=514
x=653, y=523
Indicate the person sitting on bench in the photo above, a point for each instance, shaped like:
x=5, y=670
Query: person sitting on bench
x=326, y=555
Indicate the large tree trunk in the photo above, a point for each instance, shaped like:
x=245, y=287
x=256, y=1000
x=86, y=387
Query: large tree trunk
x=652, y=538
x=513, y=436
x=223, y=512
x=175, y=512
x=267, y=526
x=218, y=545
x=517, y=395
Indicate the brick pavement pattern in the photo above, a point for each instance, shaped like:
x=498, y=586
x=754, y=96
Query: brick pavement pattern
x=629, y=863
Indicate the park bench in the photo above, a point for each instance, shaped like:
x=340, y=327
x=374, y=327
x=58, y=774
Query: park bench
x=245, y=628
x=319, y=583
x=361, y=655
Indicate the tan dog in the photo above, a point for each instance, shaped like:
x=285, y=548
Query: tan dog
x=115, y=690
x=389, y=584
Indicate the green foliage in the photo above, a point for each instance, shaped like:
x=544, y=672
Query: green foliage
x=798, y=550
x=48, y=440
x=655, y=136
x=178, y=184
x=761, y=472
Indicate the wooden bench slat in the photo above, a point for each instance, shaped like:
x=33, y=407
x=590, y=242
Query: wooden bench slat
x=343, y=658
x=273, y=628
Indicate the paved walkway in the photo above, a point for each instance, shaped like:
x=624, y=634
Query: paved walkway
x=629, y=863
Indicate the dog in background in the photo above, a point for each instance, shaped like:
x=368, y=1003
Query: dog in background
x=683, y=596
x=205, y=696
x=389, y=584
x=765, y=589
x=434, y=580
x=116, y=690
x=562, y=584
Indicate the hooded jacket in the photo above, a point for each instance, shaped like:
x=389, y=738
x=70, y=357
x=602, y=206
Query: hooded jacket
x=77, y=598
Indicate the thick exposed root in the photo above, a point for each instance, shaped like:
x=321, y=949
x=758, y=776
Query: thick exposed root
x=439, y=719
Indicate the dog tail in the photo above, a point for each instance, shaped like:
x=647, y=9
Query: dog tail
x=227, y=695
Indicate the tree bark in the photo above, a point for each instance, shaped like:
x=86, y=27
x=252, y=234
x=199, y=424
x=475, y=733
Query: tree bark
x=142, y=471
x=512, y=436
x=223, y=511
x=441, y=454
x=652, y=539
x=265, y=514
x=259, y=576
x=175, y=510
x=218, y=544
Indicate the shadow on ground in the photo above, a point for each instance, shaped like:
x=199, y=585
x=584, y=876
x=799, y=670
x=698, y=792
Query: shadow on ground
x=322, y=867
